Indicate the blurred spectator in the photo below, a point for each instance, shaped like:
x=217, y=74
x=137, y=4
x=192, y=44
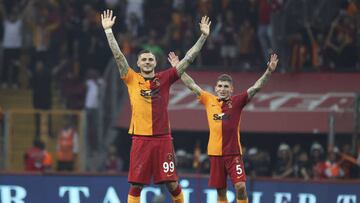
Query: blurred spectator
x=340, y=44
x=317, y=48
x=302, y=167
x=247, y=49
x=48, y=161
x=33, y=157
x=75, y=26
x=72, y=89
x=37, y=158
x=135, y=7
x=258, y=162
x=174, y=31
x=228, y=36
x=317, y=161
x=42, y=27
x=347, y=162
x=284, y=162
x=332, y=166
x=296, y=150
x=67, y=148
x=134, y=26
x=94, y=85
x=211, y=53
x=92, y=46
x=298, y=51
x=113, y=162
x=264, y=29
x=12, y=42
x=42, y=96
x=70, y=27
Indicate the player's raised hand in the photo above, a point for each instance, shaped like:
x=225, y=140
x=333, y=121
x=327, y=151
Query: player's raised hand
x=173, y=59
x=107, y=19
x=273, y=62
x=205, y=25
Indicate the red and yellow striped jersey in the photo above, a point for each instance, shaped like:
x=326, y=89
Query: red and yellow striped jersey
x=149, y=100
x=224, y=123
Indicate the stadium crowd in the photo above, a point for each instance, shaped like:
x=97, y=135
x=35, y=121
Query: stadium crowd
x=288, y=162
x=67, y=35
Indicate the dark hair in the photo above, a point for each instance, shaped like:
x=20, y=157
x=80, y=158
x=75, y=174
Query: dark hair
x=39, y=144
x=225, y=77
x=145, y=51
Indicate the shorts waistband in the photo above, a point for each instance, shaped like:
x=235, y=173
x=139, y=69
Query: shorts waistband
x=153, y=137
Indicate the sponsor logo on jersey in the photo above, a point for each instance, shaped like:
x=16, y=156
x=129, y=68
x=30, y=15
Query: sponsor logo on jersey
x=149, y=93
x=170, y=156
x=222, y=116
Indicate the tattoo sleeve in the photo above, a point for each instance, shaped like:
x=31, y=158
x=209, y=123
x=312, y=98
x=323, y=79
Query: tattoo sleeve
x=120, y=59
x=259, y=84
x=190, y=83
x=190, y=55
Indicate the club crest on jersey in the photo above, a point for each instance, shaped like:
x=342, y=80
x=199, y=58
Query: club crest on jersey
x=170, y=157
x=229, y=104
x=156, y=82
x=222, y=116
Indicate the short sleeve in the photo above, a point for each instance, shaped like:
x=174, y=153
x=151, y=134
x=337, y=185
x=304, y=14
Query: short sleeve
x=241, y=99
x=129, y=76
x=204, y=97
x=171, y=74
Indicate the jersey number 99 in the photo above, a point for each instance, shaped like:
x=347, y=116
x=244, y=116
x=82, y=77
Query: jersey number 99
x=169, y=166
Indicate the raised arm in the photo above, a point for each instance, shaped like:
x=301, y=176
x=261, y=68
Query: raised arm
x=188, y=81
x=264, y=78
x=329, y=36
x=194, y=51
x=309, y=32
x=107, y=21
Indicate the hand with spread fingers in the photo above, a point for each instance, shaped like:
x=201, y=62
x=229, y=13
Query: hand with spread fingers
x=272, y=64
x=173, y=59
x=205, y=25
x=107, y=19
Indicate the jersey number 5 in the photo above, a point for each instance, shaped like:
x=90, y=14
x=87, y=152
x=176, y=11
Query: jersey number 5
x=239, y=170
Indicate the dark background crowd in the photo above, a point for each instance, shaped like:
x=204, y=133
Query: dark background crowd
x=66, y=37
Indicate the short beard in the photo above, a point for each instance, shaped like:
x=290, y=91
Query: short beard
x=223, y=98
x=147, y=72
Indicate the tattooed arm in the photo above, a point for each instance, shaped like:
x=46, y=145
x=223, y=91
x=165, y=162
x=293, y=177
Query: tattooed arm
x=264, y=78
x=194, y=51
x=190, y=83
x=108, y=20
